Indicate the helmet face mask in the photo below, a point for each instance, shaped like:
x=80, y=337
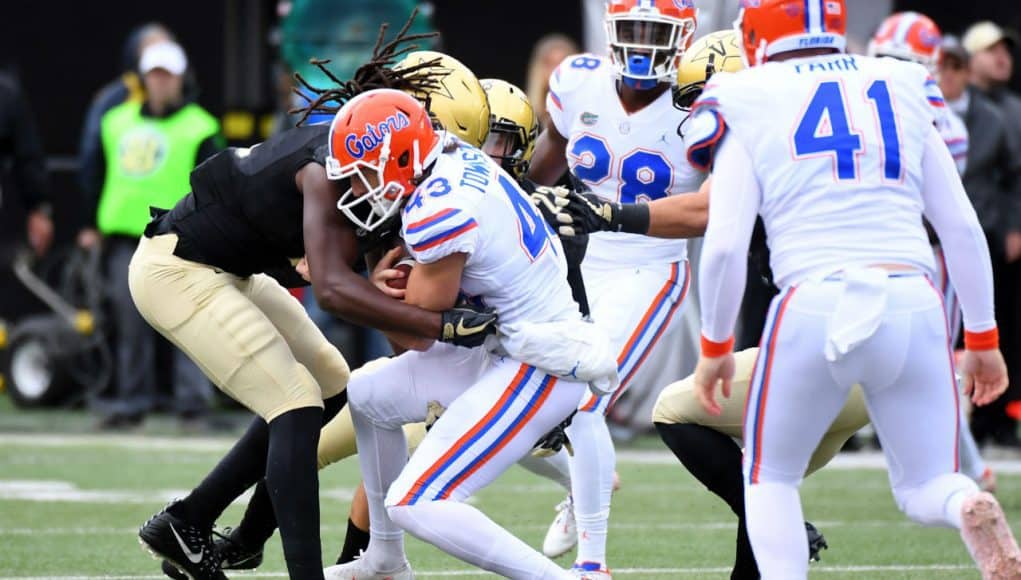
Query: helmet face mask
x=383, y=142
x=505, y=144
x=646, y=41
x=369, y=202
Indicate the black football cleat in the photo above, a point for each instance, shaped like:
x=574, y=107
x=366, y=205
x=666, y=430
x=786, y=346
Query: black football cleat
x=234, y=555
x=186, y=547
x=816, y=543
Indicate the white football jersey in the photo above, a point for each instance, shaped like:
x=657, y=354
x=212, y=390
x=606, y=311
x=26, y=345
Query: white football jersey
x=623, y=157
x=836, y=142
x=515, y=262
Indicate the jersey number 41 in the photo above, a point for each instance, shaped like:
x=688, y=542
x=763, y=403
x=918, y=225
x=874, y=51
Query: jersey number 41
x=829, y=104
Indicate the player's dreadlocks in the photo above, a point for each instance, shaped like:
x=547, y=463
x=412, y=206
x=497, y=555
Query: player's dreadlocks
x=378, y=73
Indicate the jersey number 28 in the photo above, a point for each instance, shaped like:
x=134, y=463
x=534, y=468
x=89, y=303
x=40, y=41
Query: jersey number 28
x=644, y=175
x=841, y=141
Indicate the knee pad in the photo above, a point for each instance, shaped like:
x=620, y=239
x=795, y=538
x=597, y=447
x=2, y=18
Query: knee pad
x=926, y=503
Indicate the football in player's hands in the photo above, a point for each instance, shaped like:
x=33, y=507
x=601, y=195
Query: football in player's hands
x=404, y=267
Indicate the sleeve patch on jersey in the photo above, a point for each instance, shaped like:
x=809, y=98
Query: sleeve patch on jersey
x=700, y=154
x=445, y=236
x=937, y=101
x=438, y=217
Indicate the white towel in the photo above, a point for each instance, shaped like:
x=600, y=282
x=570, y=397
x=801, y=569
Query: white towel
x=574, y=350
x=859, y=311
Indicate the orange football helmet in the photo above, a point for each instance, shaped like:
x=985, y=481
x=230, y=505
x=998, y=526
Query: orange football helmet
x=385, y=139
x=647, y=38
x=769, y=27
x=908, y=36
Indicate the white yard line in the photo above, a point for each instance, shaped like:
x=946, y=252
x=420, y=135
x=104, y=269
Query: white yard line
x=66, y=491
x=861, y=460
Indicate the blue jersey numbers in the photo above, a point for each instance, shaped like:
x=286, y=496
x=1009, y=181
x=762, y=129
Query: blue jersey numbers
x=535, y=234
x=644, y=175
x=825, y=129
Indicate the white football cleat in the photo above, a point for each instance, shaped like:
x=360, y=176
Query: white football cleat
x=562, y=535
x=989, y=539
x=359, y=569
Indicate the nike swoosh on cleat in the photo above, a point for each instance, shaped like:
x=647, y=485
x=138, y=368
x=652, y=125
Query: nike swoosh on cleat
x=192, y=556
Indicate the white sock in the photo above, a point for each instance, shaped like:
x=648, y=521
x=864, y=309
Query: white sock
x=776, y=529
x=382, y=454
x=554, y=468
x=591, y=483
x=466, y=533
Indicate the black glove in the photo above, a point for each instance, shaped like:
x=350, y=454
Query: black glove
x=465, y=325
x=578, y=213
x=552, y=442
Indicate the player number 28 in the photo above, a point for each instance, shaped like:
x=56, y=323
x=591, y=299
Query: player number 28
x=644, y=175
x=830, y=102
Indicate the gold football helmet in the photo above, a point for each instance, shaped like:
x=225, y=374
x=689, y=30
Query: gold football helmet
x=513, y=126
x=459, y=105
x=715, y=52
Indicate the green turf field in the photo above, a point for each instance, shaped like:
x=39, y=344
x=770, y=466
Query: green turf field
x=70, y=504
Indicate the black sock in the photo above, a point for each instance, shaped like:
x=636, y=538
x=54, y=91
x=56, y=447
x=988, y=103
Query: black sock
x=355, y=542
x=715, y=460
x=243, y=465
x=292, y=480
x=745, y=566
x=333, y=406
x=259, y=522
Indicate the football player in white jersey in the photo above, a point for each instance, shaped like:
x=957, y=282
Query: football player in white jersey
x=475, y=236
x=614, y=126
x=842, y=171
x=915, y=38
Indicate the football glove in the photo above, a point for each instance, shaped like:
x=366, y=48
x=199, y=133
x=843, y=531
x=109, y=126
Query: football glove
x=552, y=442
x=433, y=411
x=579, y=213
x=465, y=325
x=816, y=543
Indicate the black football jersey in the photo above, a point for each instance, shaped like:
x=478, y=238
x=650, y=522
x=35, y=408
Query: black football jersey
x=244, y=213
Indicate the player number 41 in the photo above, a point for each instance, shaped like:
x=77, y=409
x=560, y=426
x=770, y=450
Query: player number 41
x=844, y=144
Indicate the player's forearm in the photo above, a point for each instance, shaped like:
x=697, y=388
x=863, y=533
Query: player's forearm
x=679, y=216
x=964, y=245
x=353, y=298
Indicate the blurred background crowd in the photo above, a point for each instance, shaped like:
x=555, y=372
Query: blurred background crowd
x=97, y=99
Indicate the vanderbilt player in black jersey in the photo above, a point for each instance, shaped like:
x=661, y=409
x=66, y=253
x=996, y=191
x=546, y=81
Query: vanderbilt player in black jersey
x=200, y=277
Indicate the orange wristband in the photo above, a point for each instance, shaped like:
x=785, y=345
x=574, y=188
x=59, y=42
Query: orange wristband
x=985, y=340
x=714, y=349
